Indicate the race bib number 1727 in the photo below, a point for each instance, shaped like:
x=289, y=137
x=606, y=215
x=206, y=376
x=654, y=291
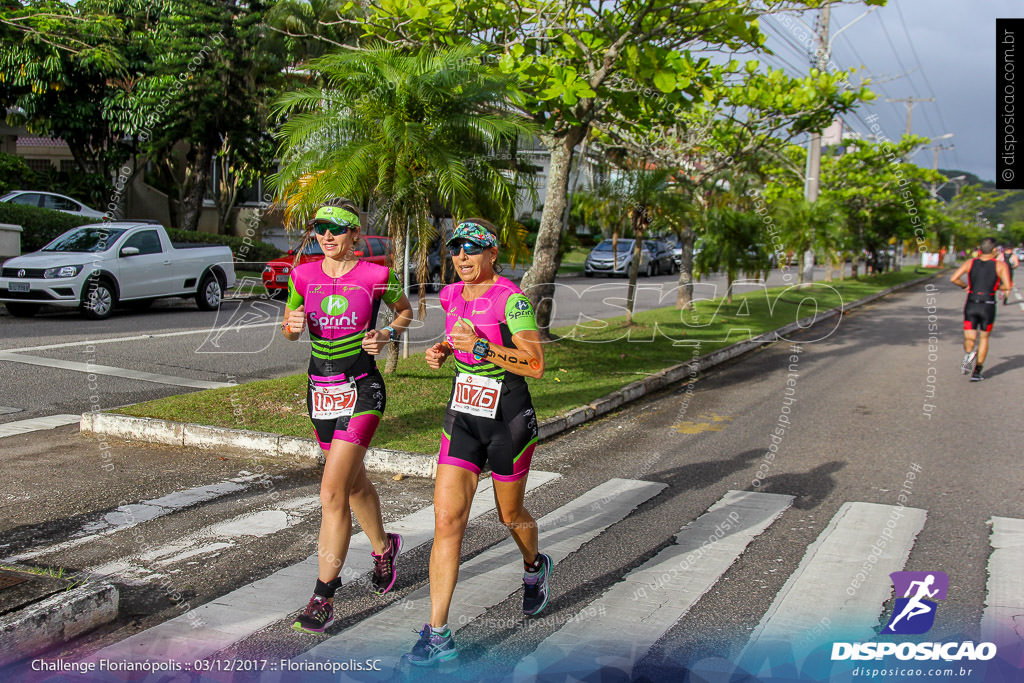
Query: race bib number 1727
x=476, y=395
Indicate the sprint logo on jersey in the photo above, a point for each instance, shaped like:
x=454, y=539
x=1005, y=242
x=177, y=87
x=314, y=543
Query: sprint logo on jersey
x=335, y=306
x=520, y=307
x=913, y=614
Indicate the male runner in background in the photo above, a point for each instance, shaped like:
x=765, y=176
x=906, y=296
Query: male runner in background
x=1007, y=256
x=984, y=276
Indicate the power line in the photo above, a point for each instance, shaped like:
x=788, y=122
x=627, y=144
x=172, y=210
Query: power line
x=791, y=44
x=894, y=114
x=788, y=38
x=917, y=59
x=900, y=62
x=924, y=76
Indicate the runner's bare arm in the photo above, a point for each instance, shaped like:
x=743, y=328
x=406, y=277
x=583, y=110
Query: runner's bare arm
x=375, y=340
x=1003, y=271
x=958, y=273
x=526, y=358
x=437, y=354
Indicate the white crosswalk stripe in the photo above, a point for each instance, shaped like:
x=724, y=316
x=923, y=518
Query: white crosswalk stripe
x=1002, y=622
x=37, y=423
x=837, y=591
x=130, y=515
x=619, y=628
x=841, y=582
x=490, y=577
x=222, y=622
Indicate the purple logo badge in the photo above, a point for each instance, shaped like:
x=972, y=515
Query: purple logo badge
x=914, y=611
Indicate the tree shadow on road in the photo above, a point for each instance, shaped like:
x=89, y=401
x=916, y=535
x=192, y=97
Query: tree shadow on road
x=809, y=489
x=700, y=475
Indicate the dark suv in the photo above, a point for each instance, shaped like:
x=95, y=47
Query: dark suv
x=661, y=257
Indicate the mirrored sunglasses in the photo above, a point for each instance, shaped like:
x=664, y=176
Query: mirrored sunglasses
x=471, y=248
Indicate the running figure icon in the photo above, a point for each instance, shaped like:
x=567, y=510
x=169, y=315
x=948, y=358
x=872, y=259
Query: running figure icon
x=914, y=606
x=919, y=590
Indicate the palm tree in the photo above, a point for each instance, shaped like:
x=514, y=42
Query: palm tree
x=403, y=132
x=648, y=199
x=813, y=226
x=732, y=243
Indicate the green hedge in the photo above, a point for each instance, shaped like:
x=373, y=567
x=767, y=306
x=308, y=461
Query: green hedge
x=40, y=226
x=259, y=252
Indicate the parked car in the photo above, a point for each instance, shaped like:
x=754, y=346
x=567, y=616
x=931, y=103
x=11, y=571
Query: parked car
x=601, y=260
x=677, y=253
x=51, y=200
x=96, y=267
x=661, y=257
x=275, y=275
x=436, y=277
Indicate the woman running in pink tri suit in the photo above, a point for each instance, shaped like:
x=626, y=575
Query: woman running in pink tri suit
x=492, y=334
x=337, y=300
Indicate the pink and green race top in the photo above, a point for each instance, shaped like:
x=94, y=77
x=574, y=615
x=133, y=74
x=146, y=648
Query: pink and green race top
x=339, y=311
x=502, y=311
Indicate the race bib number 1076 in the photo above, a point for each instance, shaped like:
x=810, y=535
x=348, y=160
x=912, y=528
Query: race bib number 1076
x=476, y=395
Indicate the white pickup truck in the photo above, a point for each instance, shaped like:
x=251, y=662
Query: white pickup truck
x=96, y=267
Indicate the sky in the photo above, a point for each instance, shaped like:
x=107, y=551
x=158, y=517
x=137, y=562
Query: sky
x=916, y=48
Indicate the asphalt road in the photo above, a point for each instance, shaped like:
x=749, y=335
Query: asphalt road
x=63, y=364
x=861, y=416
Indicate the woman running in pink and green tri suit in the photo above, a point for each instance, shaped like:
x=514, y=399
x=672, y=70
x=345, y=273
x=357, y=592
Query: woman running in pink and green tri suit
x=492, y=333
x=337, y=300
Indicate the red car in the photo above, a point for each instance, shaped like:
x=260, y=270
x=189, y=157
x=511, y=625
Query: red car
x=275, y=276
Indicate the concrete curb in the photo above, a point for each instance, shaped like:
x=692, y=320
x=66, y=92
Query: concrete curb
x=153, y=430
x=421, y=464
x=56, y=619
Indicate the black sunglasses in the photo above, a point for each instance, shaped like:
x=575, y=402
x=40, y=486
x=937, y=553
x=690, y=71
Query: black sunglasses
x=322, y=228
x=471, y=248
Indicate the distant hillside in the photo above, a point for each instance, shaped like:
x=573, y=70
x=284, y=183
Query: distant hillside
x=1009, y=209
x=970, y=177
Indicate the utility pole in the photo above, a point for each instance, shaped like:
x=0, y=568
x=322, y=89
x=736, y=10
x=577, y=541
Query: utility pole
x=910, y=102
x=937, y=149
x=813, y=169
x=821, y=56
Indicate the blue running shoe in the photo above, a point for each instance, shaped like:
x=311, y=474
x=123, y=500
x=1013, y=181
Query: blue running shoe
x=432, y=648
x=535, y=587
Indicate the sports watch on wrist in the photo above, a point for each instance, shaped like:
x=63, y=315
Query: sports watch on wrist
x=395, y=335
x=480, y=349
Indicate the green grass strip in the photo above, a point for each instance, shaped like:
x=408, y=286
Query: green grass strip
x=587, y=362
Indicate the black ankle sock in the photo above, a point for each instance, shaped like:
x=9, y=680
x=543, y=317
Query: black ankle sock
x=535, y=567
x=327, y=590
x=977, y=366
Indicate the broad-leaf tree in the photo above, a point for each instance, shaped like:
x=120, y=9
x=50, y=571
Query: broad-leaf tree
x=580, y=64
